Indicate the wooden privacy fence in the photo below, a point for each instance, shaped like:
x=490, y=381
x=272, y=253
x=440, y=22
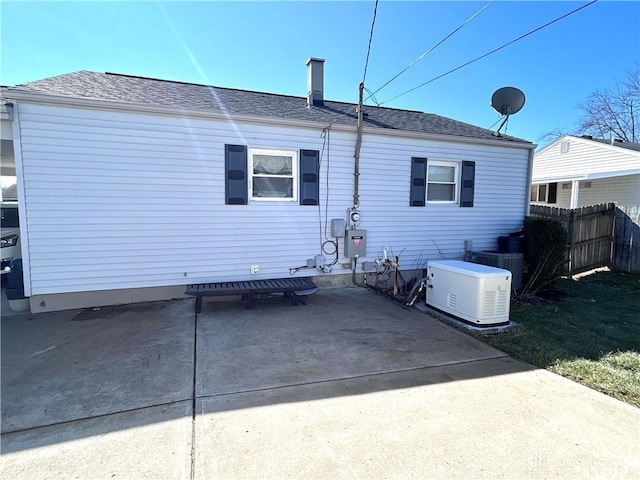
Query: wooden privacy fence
x=590, y=234
x=626, y=247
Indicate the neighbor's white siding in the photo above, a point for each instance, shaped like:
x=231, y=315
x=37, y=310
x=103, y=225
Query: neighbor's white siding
x=584, y=157
x=564, y=195
x=625, y=190
x=120, y=200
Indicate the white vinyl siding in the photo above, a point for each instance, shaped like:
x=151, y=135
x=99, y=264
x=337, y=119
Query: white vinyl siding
x=625, y=190
x=584, y=157
x=564, y=195
x=119, y=200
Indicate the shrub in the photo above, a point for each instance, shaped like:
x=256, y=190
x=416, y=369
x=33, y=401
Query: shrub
x=545, y=245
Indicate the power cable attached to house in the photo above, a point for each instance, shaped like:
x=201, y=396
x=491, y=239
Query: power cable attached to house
x=366, y=63
x=326, y=147
x=492, y=51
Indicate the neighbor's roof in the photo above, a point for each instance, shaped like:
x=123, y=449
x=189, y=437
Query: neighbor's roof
x=587, y=139
x=615, y=143
x=195, y=97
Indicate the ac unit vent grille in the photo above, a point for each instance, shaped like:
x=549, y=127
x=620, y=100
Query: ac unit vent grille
x=451, y=300
x=513, y=262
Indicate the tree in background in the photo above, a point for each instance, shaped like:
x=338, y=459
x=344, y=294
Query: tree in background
x=614, y=112
x=610, y=112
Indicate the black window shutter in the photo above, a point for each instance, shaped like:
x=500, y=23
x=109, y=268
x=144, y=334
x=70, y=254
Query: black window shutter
x=235, y=163
x=418, y=188
x=552, y=195
x=468, y=180
x=309, y=177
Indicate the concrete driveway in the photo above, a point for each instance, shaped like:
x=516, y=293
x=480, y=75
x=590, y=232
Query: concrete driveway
x=348, y=386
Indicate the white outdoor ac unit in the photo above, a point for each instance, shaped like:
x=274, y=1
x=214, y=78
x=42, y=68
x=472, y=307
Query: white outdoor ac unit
x=477, y=294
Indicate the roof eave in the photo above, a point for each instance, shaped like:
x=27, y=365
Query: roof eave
x=588, y=176
x=146, y=108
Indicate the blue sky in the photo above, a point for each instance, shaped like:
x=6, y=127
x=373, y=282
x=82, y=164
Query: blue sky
x=264, y=46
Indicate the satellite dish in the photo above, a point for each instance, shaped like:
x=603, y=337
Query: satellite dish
x=507, y=101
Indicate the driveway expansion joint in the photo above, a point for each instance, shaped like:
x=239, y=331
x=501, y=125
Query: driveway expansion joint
x=101, y=415
x=354, y=377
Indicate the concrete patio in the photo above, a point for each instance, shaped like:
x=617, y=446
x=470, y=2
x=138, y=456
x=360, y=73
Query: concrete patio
x=348, y=386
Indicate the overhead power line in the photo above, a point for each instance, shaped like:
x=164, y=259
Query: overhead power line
x=431, y=49
x=491, y=52
x=366, y=63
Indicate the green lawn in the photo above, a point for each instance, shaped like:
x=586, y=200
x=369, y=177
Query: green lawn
x=591, y=334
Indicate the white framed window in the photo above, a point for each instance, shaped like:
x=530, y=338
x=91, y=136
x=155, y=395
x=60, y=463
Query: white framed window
x=442, y=181
x=273, y=174
x=539, y=193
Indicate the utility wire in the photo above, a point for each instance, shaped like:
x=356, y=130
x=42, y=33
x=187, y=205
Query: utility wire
x=430, y=50
x=491, y=52
x=366, y=66
x=371, y=95
x=366, y=63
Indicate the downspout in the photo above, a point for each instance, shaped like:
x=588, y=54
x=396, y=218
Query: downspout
x=527, y=203
x=14, y=117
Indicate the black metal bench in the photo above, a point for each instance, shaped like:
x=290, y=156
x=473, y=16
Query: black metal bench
x=289, y=287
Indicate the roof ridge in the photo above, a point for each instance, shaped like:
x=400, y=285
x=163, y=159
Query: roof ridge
x=135, y=89
x=141, y=77
x=606, y=140
x=180, y=82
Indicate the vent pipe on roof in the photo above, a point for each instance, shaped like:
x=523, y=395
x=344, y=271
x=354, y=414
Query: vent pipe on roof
x=315, y=82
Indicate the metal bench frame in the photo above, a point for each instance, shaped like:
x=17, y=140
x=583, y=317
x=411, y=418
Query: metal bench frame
x=250, y=288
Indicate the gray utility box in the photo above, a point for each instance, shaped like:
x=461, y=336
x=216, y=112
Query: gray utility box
x=338, y=226
x=355, y=243
x=514, y=262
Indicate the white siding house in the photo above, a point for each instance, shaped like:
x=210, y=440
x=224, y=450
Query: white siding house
x=124, y=198
x=575, y=172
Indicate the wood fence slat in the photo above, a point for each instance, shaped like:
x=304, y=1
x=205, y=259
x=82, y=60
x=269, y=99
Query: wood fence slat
x=601, y=235
x=627, y=239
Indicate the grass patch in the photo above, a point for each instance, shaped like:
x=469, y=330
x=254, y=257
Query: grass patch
x=591, y=334
x=616, y=374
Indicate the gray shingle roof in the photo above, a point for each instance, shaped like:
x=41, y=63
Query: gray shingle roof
x=617, y=143
x=189, y=96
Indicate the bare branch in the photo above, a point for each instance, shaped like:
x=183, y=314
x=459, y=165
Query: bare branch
x=614, y=112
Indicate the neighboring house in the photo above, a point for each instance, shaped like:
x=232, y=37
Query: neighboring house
x=131, y=188
x=575, y=172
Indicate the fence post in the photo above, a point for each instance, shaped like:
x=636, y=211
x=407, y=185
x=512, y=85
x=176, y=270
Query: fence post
x=613, y=210
x=571, y=252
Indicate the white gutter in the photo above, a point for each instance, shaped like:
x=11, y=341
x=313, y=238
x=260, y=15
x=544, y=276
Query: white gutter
x=619, y=173
x=559, y=179
x=589, y=176
x=145, y=108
